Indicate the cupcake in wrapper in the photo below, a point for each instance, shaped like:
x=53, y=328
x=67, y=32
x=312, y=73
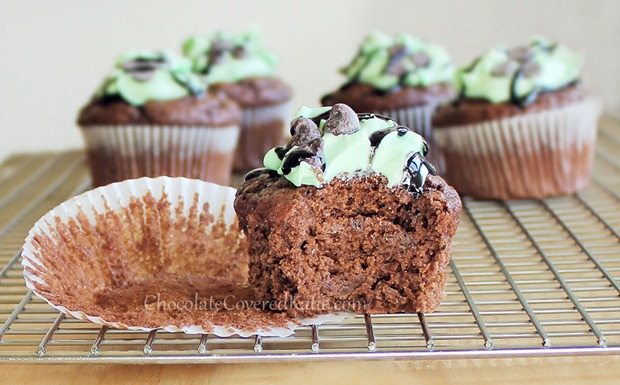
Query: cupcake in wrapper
x=152, y=116
x=401, y=77
x=240, y=68
x=523, y=127
x=152, y=253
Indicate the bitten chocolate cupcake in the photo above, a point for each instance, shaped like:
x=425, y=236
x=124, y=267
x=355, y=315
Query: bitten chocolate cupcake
x=523, y=126
x=348, y=216
x=152, y=117
x=402, y=77
x=239, y=67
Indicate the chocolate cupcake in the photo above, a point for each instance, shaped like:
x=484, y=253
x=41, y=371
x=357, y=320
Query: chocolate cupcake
x=152, y=116
x=523, y=126
x=239, y=67
x=348, y=216
x=402, y=77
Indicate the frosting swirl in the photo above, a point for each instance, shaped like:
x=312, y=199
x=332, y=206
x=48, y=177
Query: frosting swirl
x=386, y=62
x=142, y=76
x=518, y=75
x=227, y=58
x=330, y=142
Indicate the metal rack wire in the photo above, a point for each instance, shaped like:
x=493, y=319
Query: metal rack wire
x=529, y=278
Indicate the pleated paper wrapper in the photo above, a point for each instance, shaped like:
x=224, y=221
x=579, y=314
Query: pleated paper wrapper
x=262, y=128
x=100, y=255
x=534, y=155
x=122, y=152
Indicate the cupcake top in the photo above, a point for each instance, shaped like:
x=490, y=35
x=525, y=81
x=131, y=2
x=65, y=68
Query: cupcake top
x=228, y=58
x=330, y=142
x=519, y=75
x=386, y=62
x=150, y=87
x=142, y=76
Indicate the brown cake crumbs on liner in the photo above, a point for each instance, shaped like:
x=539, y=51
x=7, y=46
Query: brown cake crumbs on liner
x=120, y=267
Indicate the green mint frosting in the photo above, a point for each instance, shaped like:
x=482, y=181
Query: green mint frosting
x=391, y=152
x=142, y=76
x=227, y=58
x=519, y=74
x=385, y=62
x=375, y=144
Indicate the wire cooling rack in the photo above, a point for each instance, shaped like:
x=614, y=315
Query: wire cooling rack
x=528, y=278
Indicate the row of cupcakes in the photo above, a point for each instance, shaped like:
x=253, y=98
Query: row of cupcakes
x=515, y=123
x=215, y=108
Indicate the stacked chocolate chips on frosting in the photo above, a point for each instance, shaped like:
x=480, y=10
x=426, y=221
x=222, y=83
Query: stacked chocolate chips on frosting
x=337, y=129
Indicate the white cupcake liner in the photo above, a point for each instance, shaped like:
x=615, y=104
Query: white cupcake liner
x=258, y=134
x=39, y=266
x=265, y=114
x=528, y=156
x=118, y=152
x=418, y=119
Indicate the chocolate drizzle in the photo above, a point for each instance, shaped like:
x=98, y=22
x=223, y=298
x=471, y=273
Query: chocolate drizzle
x=520, y=66
x=143, y=69
x=281, y=152
x=294, y=158
x=217, y=53
x=258, y=172
x=306, y=145
x=377, y=136
x=369, y=115
x=401, y=62
x=416, y=170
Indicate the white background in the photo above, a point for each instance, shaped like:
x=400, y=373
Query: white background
x=53, y=54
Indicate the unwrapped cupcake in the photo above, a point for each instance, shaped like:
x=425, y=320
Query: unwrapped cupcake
x=348, y=216
x=240, y=67
x=523, y=126
x=152, y=116
x=401, y=77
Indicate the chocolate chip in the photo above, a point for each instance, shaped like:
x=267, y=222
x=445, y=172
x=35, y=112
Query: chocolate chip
x=421, y=59
x=239, y=52
x=530, y=69
x=316, y=146
x=506, y=68
x=142, y=69
x=221, y=45
x=342, y=120
x=520, y=54
x=395, y=65
x=304, y=131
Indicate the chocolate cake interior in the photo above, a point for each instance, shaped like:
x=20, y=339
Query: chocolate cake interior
x=354, y=244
